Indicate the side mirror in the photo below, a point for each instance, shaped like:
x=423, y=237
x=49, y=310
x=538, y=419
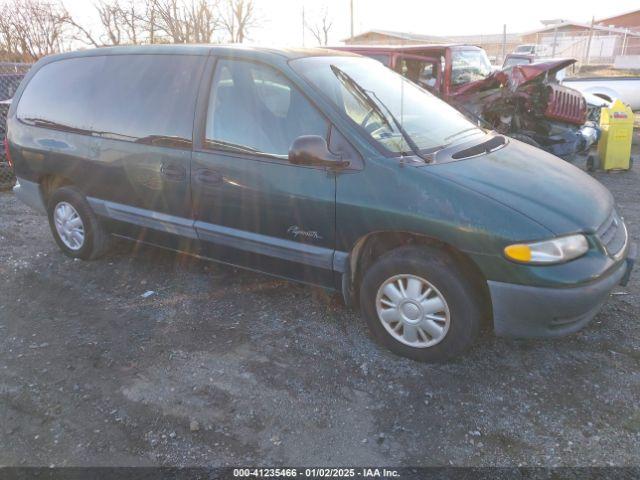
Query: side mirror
x=313, y=150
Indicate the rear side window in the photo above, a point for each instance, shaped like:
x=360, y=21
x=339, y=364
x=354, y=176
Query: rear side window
x=60, y=94
x=148, y=98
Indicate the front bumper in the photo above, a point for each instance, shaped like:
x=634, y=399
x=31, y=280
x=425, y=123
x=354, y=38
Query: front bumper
x=530, y=312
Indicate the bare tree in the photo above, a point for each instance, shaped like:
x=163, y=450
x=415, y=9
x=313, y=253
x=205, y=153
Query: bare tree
x=170, y=20
x=321, y=28
x=203, y=18
x=193, y=21
x=122, y=23
x=150, y=18
x=30, y=29
x=238, y=18
x=131, y=17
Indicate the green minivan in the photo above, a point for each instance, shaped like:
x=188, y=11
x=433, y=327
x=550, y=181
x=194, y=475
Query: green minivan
x=321, y=167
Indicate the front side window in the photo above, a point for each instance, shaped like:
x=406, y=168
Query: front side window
x=396, y=114
x=469, y=66
x=255, y=109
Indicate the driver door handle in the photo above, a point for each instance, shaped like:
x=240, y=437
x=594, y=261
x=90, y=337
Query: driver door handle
x=173, y=171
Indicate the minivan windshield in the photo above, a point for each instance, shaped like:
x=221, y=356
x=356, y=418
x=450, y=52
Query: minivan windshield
x=398, y=115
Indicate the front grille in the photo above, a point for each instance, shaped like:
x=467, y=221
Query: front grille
x=613, y=235
x=566, y=105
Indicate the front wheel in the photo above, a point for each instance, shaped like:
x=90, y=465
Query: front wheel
x=419, y=303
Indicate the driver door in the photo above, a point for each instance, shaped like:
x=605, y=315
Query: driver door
x=252, y=207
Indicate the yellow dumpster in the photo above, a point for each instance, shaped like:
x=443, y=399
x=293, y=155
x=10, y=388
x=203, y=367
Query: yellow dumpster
x=614, y=147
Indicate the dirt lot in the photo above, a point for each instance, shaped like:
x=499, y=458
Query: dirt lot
x=226, y=367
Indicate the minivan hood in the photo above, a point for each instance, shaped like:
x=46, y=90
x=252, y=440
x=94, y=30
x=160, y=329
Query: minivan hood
x=550, y=191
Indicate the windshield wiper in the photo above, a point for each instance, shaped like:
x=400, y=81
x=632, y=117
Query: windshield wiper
x=407, y=138
x=375, y=103
x=361, y=92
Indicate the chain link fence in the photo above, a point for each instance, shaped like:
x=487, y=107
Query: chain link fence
x=601, y=47
x=597, y=47
x=11, y=74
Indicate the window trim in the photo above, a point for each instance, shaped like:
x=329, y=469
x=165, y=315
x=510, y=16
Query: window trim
x=204, y=96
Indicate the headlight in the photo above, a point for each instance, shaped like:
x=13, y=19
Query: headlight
x=558, y=250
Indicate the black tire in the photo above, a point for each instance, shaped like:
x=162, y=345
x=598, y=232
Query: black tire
x=96, y=240
x=445, y=274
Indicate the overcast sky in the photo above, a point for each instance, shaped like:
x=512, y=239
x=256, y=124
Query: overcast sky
x=282, y=19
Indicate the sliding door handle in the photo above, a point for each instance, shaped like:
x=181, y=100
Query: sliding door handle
x=209, y=177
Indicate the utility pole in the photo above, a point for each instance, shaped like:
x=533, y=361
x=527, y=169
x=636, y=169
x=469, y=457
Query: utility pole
x=504, y=42
x=351, y=10
x=586, y=60
x=555, y=42
x=304, y=25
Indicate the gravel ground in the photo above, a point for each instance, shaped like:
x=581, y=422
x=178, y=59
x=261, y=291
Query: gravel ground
x=225, y=367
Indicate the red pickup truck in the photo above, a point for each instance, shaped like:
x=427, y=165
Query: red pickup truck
x=523, y=101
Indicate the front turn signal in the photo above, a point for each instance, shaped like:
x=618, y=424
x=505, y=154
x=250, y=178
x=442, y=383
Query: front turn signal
x=518, y=252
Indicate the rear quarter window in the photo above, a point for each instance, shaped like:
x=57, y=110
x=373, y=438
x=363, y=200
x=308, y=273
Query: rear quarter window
x=149, y=98
x=61, y=93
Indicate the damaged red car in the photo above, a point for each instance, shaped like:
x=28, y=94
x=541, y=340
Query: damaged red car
x=525, y=102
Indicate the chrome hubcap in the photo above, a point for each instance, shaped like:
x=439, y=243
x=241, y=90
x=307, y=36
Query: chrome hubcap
x=413, y=311
x=69, y=225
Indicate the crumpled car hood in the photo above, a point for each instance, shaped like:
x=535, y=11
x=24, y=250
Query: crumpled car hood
x=548, y=190
x=516, y=76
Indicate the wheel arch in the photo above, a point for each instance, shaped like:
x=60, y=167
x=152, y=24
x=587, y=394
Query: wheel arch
x=605, y=93
x=603, y=96
x=371, y=246
x=49, y=183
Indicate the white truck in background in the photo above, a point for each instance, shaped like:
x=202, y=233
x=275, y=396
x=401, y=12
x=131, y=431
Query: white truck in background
x=626, y=89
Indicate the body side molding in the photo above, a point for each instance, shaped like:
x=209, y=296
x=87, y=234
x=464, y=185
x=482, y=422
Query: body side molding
x=289, y=250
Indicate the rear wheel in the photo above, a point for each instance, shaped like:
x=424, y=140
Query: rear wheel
x=420, y=304
x=76, y=229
